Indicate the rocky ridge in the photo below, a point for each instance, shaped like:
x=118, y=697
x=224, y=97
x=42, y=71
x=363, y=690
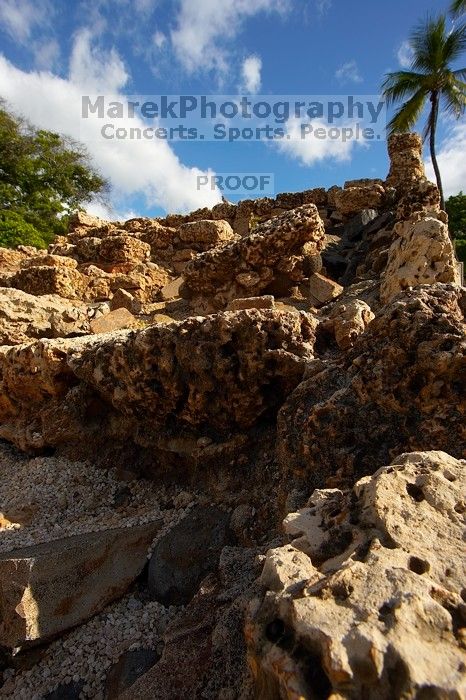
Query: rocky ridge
x=218, y=374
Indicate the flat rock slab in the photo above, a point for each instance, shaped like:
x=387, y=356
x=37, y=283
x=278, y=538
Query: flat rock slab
x=48, y=588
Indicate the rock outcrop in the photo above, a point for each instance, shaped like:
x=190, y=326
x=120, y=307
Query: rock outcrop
x=401, y=386
x=253, y=264
x=367, y=601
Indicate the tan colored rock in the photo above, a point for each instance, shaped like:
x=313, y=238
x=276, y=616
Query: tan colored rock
x=322, y=289
x=406, y=164
x=49, y=260
x=121, y=249
x=122, y=299
x=398, y=388
x=352, y=200
x=24, y=317
x=63, y=281
x=248, y=266
x=48, y=588
x=114, y=321
x=165, y=377
x=172, y=289
x=265, y=302
x=421, y=254
x=347, y=321
x=379, y=618
x=203, y=234
x=10, y=260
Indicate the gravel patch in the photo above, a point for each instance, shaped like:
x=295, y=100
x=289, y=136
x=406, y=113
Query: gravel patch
x=47, y=498
x=85, y=655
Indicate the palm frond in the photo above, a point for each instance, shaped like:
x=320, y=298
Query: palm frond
x=407, y=115
x=457, y=7
x=454, y=97
x=401, y=84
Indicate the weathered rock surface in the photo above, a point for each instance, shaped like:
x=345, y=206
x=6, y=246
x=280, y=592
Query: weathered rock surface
x=322, y=289
x=46, y=279
x=48, y=588
x=351, y=200
x=204, y=234
x=400, y=386
x=367, y=600
x=347, y=321
x=406, y=165
x=249, y=266
x=159, y=377
x=421, y=254
x=24, y=317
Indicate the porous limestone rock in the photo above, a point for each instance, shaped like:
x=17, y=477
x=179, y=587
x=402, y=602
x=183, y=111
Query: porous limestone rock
x=48, y=588
x=165, y=377
x=50, y=260
x=406, y=164
x=10, y=260
x=376, y=608
x=401, y=386
x=422, y=253
x=122, y=249
x=24, y=317
x=247, y=267
x=204, y=234
x=45, y=279
x=347, y=321
x=351, y=200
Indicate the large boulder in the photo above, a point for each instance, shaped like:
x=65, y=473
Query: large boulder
x=47, y=588
x=401, y=386
x=367, y=599
x=24, y=317
x=406, y=164
x=202, y=235
x=64, y=281
x=422, y=253
x=156, y=379
x=247, y=267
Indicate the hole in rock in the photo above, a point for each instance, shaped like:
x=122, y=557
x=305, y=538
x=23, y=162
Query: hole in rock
x=418, y=566
x=415, y=492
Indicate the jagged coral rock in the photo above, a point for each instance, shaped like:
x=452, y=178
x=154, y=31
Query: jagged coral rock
x=162, y=377
x=205, y=234
x=376, y=611
x=45, y=279
x=351, y=200
x=24, y=317
x=50, y=260
x=347, y=321
x=401, y=385
x=248, y=266
x=406, y=165
x=121, y=249
x=421, y=254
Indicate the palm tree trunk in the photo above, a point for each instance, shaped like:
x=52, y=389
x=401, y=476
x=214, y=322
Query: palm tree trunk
x=433, y=127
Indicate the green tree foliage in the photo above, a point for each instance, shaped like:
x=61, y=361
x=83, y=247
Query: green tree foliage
x=456, y=210
x=431, y=79
x=43, y=178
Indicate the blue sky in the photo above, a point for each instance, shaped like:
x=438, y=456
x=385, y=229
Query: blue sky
x=52, y=52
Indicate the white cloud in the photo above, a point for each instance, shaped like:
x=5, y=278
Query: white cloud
x=323, y=6
x=311, y=150
x=348, y=73
x=251, y=74
x=19, y=17
x=205, y=26
x=159, y=39
x=46, y=54
x=134, y=167
x=451, y=160
x=405, y=55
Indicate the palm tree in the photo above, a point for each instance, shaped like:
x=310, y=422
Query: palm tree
x=457, y=7
x=431, y=78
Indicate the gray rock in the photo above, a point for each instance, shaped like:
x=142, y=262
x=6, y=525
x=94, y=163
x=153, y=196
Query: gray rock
x=186, y=553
